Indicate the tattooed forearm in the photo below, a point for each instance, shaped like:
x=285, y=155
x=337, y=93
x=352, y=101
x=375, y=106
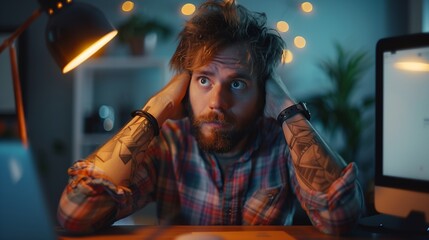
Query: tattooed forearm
x=133, y=138
x=316, y=165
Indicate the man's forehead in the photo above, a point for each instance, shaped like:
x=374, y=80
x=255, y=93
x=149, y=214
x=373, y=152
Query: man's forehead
x=234, y=57
x=232, y=54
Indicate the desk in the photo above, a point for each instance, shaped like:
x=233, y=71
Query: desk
x=171, y=232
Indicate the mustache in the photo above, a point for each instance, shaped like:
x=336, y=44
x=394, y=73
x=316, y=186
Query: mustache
x=216, y=117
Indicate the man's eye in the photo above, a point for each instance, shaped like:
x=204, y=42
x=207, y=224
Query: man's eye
x=238, y=85
x=203, y=81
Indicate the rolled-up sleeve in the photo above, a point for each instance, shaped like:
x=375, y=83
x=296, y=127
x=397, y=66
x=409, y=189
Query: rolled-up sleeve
x=90, y=201
x=337, y=210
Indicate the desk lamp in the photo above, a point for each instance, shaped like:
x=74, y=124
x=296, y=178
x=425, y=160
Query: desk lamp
x=75, y=31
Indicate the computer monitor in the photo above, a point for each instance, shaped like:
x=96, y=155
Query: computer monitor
x=402, y=131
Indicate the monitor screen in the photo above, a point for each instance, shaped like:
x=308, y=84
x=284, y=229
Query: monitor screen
x=402, y=126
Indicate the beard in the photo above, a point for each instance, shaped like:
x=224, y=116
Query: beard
x=224, y=139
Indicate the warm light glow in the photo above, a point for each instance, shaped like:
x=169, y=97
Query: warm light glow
x=127, y=6
x=59, y=5
x=287, y=56
x=69, y=1
x=282, y=26
x=188, y=9
x=307, y=7
x=413, y=66
x=89, y=51
x=299, y=42
x=50, y=11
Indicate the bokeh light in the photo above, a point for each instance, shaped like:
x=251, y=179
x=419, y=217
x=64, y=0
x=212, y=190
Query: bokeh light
x=287, y=56
x=307, y=7
x=127, y=6
x=188, y=9
x=299, y=42
x=282, y=26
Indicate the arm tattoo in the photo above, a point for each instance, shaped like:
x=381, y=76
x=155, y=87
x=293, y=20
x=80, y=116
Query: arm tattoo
x=316, y=166
x=131, y=140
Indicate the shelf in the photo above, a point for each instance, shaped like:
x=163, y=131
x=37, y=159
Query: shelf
x=122, y=84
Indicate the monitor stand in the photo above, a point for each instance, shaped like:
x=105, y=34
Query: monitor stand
x=414, y=223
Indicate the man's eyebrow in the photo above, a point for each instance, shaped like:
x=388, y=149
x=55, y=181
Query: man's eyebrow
x=237, y=75
x=204, y=72
x=241, y=75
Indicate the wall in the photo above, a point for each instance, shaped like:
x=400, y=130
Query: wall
x=48, y=93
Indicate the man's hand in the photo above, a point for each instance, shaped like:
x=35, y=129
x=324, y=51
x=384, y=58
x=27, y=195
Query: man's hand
x=277, y=97
x=166, y=104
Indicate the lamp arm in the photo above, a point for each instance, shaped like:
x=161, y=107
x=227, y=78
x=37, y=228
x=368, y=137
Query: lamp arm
x=22, y=126
x=8, y=41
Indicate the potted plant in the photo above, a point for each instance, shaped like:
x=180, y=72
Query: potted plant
x=337, y=112
x=134, y=30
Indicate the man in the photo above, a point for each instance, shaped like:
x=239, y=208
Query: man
x=233, y=147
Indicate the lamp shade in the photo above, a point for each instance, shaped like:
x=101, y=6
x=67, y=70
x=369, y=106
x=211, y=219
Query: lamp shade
x=74, y=32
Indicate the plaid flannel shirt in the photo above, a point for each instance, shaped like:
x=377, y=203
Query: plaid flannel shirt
x=189, y=187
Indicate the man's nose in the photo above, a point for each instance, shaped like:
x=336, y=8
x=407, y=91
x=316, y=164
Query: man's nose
x=219, y=98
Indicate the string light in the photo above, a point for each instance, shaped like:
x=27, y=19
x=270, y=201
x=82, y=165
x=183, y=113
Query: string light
x=127, y=6
x=287, y=56
x=282, y=26
x=299, y=42
x=188, y=9
x=307, y=7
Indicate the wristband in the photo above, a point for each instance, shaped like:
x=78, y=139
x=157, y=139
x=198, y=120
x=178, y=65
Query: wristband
x=152, y=120
x=292, y=111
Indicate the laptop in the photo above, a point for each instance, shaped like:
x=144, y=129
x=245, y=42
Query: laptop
x=24, y=212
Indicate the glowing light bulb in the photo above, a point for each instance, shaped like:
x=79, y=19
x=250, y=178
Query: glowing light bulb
x=307, y=7
x=299, y=42
x=287, y=56
x=127, y=6
x=282, y=26
x=89, y=51
x=188, y=9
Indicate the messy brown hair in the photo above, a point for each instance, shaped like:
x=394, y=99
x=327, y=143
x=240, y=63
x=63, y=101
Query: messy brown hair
x=217, y=24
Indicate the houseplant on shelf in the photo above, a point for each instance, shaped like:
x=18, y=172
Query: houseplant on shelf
x=134, y=30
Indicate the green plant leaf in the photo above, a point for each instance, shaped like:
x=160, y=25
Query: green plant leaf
x=334, y=109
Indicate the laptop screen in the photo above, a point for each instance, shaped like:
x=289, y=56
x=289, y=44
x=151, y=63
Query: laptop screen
x=24, y=212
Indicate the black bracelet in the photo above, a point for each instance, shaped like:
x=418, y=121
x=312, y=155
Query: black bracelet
x=291, y=111
x=152, y=120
